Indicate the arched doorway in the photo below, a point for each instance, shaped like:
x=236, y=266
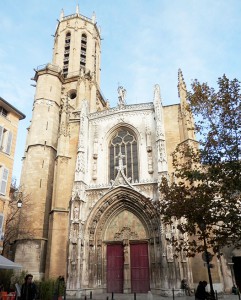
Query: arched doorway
x=127, y=254
x=119, y=266
x=124, y=233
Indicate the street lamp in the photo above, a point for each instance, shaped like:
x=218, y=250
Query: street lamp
x=18, y=196
x=202, y=226
x=19, y=203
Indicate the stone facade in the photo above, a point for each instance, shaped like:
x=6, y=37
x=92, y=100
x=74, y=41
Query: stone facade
x=9, y=120
x=93, y=174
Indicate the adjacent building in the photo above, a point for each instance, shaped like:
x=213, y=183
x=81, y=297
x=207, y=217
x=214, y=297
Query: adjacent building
x=93, y=174
x=9, y=120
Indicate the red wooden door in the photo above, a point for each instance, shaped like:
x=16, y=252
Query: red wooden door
x=140, y=282
x=115, y=264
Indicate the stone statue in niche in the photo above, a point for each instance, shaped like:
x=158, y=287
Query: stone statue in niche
x=169, y=253
x=76, y=213
x=121, y=166
x=126, y=252
x=74, y=234
x=122, y=95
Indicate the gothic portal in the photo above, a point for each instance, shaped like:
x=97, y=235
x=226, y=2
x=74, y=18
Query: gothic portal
x=92, y=173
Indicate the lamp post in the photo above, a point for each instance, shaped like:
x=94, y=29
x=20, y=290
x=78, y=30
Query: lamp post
x=12, y=222
x=19, y=196
x=202, y=226
x=19, y=203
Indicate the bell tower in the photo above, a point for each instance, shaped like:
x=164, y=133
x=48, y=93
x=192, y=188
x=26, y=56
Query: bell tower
x=49, y=160
x=77, y=46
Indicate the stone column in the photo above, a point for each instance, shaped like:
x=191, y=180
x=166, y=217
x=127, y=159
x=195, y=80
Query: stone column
x=127, y=275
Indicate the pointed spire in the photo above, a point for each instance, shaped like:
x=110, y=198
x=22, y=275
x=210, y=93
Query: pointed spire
x=61, y=15
x=77, y=9
x=185, y=114
x=181, y=83
x=157, y=94
x=93, y=18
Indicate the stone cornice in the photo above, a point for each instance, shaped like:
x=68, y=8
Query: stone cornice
x=125, y=109
x=59, y=210
x=108, y=186
x=42, y=145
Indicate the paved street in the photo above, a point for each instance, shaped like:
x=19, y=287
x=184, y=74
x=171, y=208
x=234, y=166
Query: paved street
x=146, y=297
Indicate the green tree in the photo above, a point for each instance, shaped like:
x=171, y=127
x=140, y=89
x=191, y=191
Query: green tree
x=206, y=187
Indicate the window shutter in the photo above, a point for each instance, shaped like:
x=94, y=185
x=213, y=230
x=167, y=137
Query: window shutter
x=9, y=142
x=1, y=135
x=4, y=181
x=1, y=225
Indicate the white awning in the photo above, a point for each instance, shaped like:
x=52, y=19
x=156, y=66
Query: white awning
x=8, y=264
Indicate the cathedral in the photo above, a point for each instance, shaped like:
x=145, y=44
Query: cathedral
x=92, y=174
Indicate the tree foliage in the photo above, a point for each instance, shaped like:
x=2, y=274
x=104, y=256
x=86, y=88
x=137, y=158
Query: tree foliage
x=207, y=185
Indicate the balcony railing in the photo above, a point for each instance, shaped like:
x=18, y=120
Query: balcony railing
x=48, y=66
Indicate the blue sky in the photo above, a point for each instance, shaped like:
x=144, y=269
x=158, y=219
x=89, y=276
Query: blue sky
x=144, y=43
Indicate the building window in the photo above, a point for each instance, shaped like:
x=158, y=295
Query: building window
x=3, y=112
x=4, y=180
x=1, y=225
x=83, y=50
x=124, y=142
x=6, y=137
x=66, y=54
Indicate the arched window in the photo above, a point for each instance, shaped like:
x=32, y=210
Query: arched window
x=83, y=50
x=124, y=142
x=66, y=54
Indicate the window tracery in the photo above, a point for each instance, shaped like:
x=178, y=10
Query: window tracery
x=124, y=142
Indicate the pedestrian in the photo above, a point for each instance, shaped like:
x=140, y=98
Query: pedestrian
x=185, y=287
x=201, y=293
x=235, y=290
x=1, y=287
x=59, y=287
x=28, y=289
